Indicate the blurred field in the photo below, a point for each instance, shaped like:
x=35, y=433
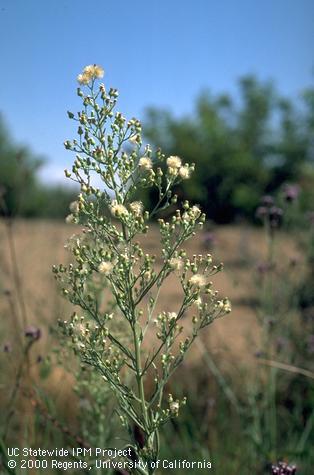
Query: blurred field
x=40, y=244
x=232, y=340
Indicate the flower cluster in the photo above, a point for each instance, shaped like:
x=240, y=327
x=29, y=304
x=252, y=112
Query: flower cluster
x=282, y=468
x=270, y=212
x=89, y=73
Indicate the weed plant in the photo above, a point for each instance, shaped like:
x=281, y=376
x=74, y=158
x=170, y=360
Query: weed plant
x=107, y=254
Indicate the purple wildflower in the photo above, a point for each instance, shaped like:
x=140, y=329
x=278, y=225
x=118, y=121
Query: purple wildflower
x=267, y=200
x=275, y=212
x=282, y=468
x=7, y=347
x=275, y=216
x=291, y=192
x=261, y=212
x=33, y=332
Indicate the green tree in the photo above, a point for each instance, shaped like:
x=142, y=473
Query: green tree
x=21, y=192
x=18, y=175
x=243, y=147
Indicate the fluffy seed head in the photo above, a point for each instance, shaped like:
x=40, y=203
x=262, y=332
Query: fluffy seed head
x=172, y=171
x=174, y=162
x=90, y=72
x=105, y=267
x=136, y=207
x=74, y=207
x=117, y=209
x=83, y=79
x=70, y=219
x=145, y=163
x=198, y=280
x=176, y=263
x=184, y=173
x=172, y=315
x=195, y=211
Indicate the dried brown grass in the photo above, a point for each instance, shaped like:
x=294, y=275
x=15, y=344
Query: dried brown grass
x=40, y=244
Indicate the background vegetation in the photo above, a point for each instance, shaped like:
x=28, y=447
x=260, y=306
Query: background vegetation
x=243, y=146
x=21, y=192
x=250, y=380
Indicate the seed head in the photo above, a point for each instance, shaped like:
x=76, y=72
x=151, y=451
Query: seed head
x=70, y=219
x=105, y=267
x=195, y=212
x=172, y=315
x=136, y=207
x=198, y=280
x=74, y=207
x=176, y=263
x=184, y=173
x=118, y=210
x=90, y=72
x=174, y=162
x=145, y=163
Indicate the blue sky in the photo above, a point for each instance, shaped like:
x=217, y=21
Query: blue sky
x=161, y=53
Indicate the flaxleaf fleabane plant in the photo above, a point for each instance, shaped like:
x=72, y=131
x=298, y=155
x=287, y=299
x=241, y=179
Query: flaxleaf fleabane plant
x=115, y=284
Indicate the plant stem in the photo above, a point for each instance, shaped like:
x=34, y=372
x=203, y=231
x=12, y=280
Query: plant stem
x=16, y=273
x=139, y=376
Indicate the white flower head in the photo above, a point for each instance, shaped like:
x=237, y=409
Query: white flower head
x=118, y=210
x=172, y=171
x=176, y=263
x=105, y=267
x=74, y=207
x=192, y=214
x=89, y=73
x=198, y=302
x=184, y=172
x=195, y=212
x=81, y=329
x=94, y=71
x=135, y=139
x=145, y=163
x=174, y=407
x=227, y=305
x=198, y=280
x=137, y=208
x=70, y=219
x=174, y=162
x=172, y=315
x=83, y=79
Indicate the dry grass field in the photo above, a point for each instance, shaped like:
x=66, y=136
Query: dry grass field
x=40, y=244
x=37, y=245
